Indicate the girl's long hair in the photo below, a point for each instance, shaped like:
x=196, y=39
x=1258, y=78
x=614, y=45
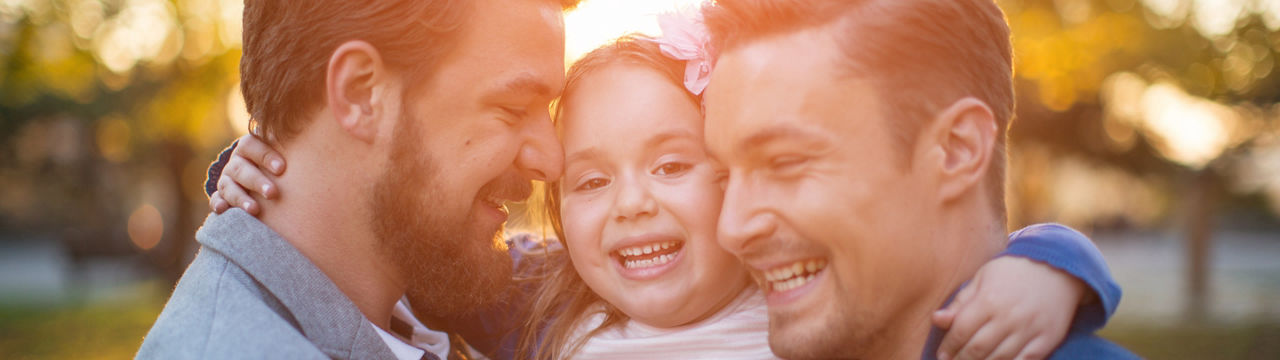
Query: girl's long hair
x=563, y=300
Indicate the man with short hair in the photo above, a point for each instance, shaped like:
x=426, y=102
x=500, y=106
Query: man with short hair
x=867, y=136
x=369, y=103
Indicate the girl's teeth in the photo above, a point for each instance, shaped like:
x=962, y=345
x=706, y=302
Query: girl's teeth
x=646, y=249
x=658, y=260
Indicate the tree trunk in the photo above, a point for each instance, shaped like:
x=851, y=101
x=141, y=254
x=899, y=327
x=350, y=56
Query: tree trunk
x=173, y=261
x=1202, y=198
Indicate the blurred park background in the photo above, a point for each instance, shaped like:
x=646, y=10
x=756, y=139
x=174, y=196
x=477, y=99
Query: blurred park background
x=1152, y=125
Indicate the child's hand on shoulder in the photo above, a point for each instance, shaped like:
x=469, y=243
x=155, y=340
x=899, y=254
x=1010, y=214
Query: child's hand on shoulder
x=247, y=176
x=1014, y=308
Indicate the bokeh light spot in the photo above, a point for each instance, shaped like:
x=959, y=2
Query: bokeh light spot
x=114, y=138
x=237, y=112
x=1193, y=130
x=146, y=227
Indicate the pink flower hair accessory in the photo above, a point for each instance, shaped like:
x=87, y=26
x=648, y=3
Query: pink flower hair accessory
x=685, y=37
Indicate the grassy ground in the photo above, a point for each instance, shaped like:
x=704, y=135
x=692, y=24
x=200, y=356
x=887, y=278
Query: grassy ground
x=99, y=330
x=1209, y=341
x=114, y=329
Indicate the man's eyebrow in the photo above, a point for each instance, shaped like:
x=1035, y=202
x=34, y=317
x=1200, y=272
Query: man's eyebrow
x=777, y=133
x=526, y=83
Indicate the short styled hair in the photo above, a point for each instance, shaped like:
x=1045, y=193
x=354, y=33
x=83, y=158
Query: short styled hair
x=287, y=45
x=925, y=54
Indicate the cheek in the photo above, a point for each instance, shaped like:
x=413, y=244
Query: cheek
x=483, y=151
x=583, y=220
x=695, y=204
x=837, y=201
x=860, y=221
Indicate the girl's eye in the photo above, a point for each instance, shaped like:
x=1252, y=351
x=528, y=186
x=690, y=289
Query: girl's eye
x=672, y=168
x=592, y=184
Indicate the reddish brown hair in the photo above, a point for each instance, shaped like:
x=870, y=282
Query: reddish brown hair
x=287, y=46
x=926, y=54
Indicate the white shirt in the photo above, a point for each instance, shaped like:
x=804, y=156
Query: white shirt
x=403, y=350
x=739, y=331
x=424, y=339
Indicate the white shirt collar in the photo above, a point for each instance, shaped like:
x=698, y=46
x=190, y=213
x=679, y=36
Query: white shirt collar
x=424, y=339
x=398, y=347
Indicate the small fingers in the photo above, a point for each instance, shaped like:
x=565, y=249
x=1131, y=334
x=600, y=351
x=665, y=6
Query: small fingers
x=963, y=328
x=982, y=343
x=945, y=317
x=260, y=154
x=1038, y=348
x=217, y=204
x=250, y=178
x=1010, y=347
x=236, y=196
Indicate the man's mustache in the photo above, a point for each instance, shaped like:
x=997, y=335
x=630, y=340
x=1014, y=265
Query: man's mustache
x=510, y=186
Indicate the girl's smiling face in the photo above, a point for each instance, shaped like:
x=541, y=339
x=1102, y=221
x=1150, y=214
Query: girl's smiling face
x=640, y=199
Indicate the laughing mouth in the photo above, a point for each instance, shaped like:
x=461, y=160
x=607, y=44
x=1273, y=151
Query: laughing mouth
x=794, y=275
x=648, y=255
x=495, y=201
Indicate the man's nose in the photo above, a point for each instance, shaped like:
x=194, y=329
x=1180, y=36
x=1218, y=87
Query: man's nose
x=541, y=157
x=741, y=217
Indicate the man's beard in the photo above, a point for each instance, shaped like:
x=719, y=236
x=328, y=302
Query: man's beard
x=450, y=266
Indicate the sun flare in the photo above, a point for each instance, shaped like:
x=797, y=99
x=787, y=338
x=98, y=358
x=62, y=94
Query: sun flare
x=596, y=22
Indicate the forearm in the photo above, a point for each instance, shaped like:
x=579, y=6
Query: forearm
x=1073, y=253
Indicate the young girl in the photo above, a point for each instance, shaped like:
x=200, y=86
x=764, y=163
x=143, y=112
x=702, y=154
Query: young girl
x=637, y=208
x=641, y=274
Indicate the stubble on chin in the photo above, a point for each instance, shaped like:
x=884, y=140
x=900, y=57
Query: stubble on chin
x=833, y=335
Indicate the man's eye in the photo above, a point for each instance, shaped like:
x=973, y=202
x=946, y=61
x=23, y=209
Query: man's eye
x=672, y=168
x=722, y=179
x=593, y=184
x=515, y=113
x=788, y=162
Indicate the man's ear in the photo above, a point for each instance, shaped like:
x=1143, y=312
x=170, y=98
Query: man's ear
x=354, y=87
x=965, y=133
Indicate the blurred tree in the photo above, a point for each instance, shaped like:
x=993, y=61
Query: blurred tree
x=143, y=86
x=1174, y=89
